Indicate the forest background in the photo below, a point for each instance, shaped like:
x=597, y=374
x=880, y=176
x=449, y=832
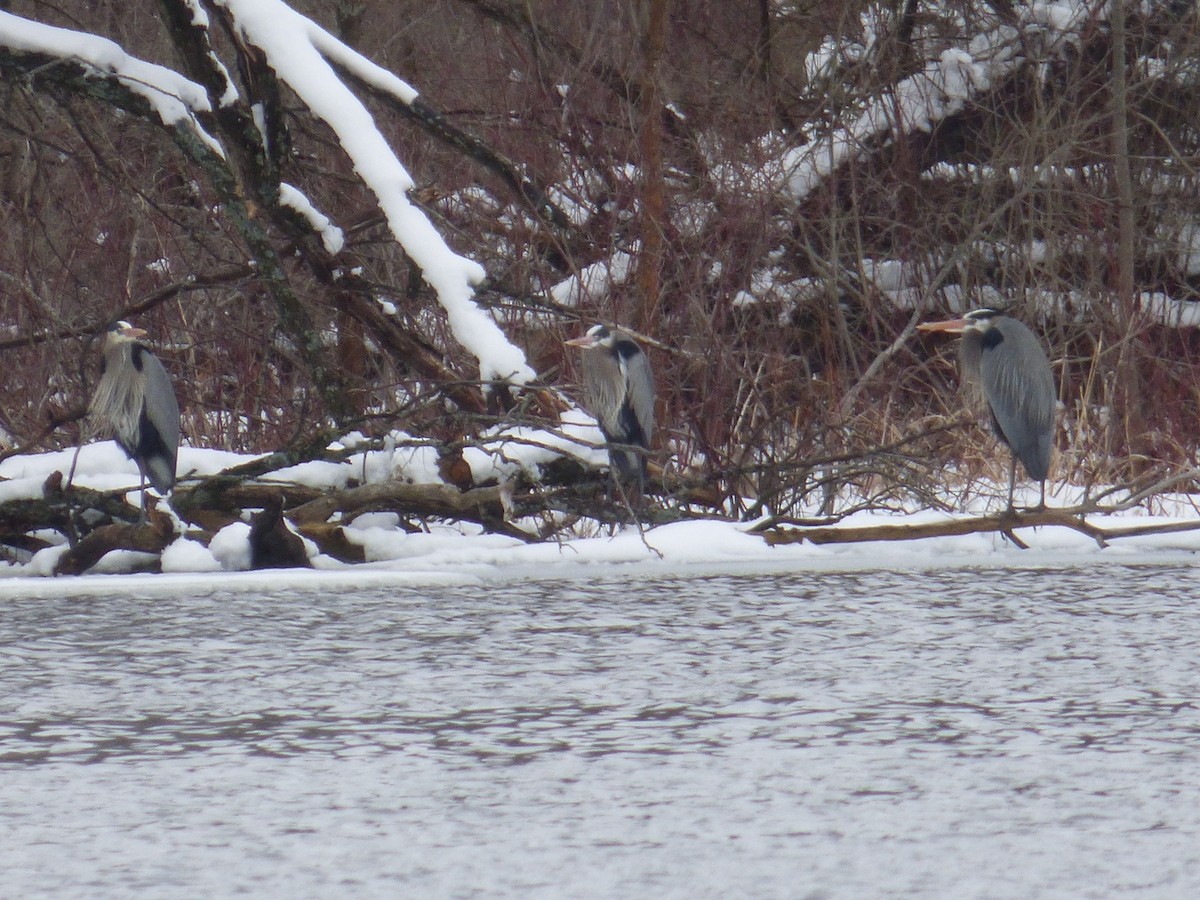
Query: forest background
x=772, y=194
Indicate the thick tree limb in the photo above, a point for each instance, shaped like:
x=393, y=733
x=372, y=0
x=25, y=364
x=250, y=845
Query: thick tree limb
x=1004, y=523
x=151, y=538
x=483, y=505
x=332, y=541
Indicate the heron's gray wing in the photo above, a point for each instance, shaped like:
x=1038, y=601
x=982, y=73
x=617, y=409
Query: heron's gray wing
x=160, y=410
x=1019, y=386
x=604, y=387
x=639, y=392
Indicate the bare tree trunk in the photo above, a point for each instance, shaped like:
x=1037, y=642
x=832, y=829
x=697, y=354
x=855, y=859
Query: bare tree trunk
x=1120, y=158
x=1128, y=379
x=648, y=281
x=352, y=361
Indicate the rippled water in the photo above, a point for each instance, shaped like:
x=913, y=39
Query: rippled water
x=955, y=734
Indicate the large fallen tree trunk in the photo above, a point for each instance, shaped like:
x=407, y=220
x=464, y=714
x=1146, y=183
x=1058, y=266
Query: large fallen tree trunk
x=775, y=532
x=149, y=538
x=485, y=505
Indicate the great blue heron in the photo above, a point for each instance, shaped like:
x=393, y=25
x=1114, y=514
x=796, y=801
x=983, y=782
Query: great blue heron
x=1007, y=360
x=619, y=389
x=136, y=400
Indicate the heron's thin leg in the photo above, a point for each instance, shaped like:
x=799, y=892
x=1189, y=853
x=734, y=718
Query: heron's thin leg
x=74, y=463
x=637, y=522
x=142, y=486
x=1012, y=479
x=624, y=498
x=1042, y=502
x=73, y=531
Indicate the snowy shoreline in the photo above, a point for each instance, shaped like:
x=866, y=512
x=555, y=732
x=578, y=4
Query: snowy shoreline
x=690, y=550
x=462, y=553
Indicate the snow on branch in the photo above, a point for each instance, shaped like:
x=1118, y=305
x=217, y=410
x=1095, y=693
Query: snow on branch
x=943, y=87
x=302, y=55
x=332, y=237
x=174, y=98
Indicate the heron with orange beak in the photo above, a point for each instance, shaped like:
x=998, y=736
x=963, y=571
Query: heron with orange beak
x=1006, y=359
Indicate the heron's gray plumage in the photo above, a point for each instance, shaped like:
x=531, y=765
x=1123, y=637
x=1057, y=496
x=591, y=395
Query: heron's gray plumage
x=135, y=398
x=1007, y=362
x=1019, y=386
x=619, y=391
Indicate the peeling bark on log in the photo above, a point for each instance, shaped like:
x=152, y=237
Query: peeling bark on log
x=151, y=538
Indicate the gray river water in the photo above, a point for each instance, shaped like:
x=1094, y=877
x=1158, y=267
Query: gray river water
x=951, y=734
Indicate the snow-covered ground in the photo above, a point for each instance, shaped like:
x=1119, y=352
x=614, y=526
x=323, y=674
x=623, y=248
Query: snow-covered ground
x=457, y=553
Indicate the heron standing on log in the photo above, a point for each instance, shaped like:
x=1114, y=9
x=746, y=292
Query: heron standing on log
x=1009, y=362
x=619, y=391
x=135, y=398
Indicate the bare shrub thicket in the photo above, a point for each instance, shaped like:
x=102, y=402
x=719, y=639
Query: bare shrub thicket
x=779, y=319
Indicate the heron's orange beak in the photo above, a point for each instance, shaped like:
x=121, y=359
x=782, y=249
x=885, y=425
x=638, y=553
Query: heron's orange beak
x=133, y=332
x=586, y=341
x=946, y=326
